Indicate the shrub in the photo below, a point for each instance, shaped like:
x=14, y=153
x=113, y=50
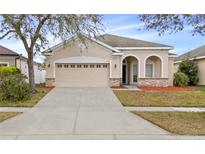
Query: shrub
x=5, y=71
x=14, y=88
x=190, y=68
x=180, y=79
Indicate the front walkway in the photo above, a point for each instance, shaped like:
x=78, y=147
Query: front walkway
x=77, y=113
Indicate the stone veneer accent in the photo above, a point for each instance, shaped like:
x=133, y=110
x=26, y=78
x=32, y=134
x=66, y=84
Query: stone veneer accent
x=115, y=82
x=50, y=82
x=153, y=82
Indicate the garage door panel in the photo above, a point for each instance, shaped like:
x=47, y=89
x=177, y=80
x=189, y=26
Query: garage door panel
x=82, y=77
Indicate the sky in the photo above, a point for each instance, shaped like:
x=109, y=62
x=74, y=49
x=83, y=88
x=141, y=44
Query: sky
x=128, y=26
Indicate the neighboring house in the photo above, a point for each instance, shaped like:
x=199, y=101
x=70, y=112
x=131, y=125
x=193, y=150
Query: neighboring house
x=197, y=55
x=11, y=58
x=109, y=60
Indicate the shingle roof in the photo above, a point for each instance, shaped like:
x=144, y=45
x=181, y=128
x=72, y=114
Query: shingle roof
x=6, y=51
x=119, y=41
x=198, y=52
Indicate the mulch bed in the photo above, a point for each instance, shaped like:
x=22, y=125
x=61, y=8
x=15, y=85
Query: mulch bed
x=118, y=87
x=170, y=88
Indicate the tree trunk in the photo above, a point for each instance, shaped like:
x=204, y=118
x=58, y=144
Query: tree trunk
x=31, y=72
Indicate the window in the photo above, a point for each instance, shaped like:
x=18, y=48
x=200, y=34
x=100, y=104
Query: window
x=59, y=65
x=105, y=66
x=135, y=72
x=78, y=66
x=72, y=66
x=85, y=66
x=4, y=64
x=65, y=65
x=92, y=66
x=149, y=70
x=98, y=66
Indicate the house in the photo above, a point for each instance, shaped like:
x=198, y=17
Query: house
x=11, y=58
x=108, y=60
x=197, y=55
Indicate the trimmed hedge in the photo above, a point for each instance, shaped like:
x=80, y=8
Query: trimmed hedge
x=13, y=85
x=11, y=70
x=190, y=68
x=180, y=79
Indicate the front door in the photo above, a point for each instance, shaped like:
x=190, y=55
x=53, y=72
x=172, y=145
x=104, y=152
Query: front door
x=124, y=74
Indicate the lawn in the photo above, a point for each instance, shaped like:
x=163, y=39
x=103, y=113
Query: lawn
x=161, y=98
x=7, y=115
x=183, y=123
x=200, y=88
x=35, y=98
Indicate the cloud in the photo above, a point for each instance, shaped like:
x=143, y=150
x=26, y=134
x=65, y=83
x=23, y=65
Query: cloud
x=124, y=27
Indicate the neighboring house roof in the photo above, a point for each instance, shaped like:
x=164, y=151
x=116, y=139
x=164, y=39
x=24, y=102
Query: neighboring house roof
x=193, y=54
x=7, y=52
x=82, y=59
x=119, y=41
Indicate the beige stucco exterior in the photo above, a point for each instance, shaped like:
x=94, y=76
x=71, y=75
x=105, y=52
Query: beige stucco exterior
x=114, y=71
x=201, y=71
x=10, y=60
x=171, y=70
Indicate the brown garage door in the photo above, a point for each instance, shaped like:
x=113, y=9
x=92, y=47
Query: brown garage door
x=82, y=75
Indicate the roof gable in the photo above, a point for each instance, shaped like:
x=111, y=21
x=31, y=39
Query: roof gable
x=119, y=41
x=50, y=50
x=7, y=52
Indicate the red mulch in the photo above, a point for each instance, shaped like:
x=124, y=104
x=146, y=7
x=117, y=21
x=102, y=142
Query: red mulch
x=118, y=87
x=170, y=88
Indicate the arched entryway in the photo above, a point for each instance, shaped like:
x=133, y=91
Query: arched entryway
x=130, y=70
x=153, y=67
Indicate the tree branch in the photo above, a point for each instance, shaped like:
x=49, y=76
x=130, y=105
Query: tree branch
x=36, y=36
x=7, y=33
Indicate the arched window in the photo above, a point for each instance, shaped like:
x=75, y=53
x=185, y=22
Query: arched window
x=153, y=67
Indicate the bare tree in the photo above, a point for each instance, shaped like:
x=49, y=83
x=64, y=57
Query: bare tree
x=33, y=31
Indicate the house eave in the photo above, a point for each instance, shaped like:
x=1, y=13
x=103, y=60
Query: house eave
x=196, y=58
x=118, y=54
x=144, y=48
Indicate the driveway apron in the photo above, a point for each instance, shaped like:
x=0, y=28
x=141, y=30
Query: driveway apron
x=78, y=111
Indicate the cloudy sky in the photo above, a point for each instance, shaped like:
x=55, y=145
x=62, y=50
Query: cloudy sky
x=128, y=25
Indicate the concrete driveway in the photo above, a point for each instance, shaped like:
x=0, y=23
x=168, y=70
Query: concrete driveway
x=78, y=113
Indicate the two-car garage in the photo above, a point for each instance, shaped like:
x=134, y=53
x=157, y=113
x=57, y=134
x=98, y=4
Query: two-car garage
x=82, y=71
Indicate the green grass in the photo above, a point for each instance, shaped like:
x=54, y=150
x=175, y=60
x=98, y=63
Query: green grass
x=35, y=98
x=7, y=115
x=161, y=98
x=200, y=88
x=183, y=123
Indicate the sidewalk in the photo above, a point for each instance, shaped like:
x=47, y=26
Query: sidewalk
x=15, y=109
x=101, y=137
x=150, y=109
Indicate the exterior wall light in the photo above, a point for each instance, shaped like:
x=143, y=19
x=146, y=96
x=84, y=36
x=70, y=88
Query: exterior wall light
x=115, y=65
